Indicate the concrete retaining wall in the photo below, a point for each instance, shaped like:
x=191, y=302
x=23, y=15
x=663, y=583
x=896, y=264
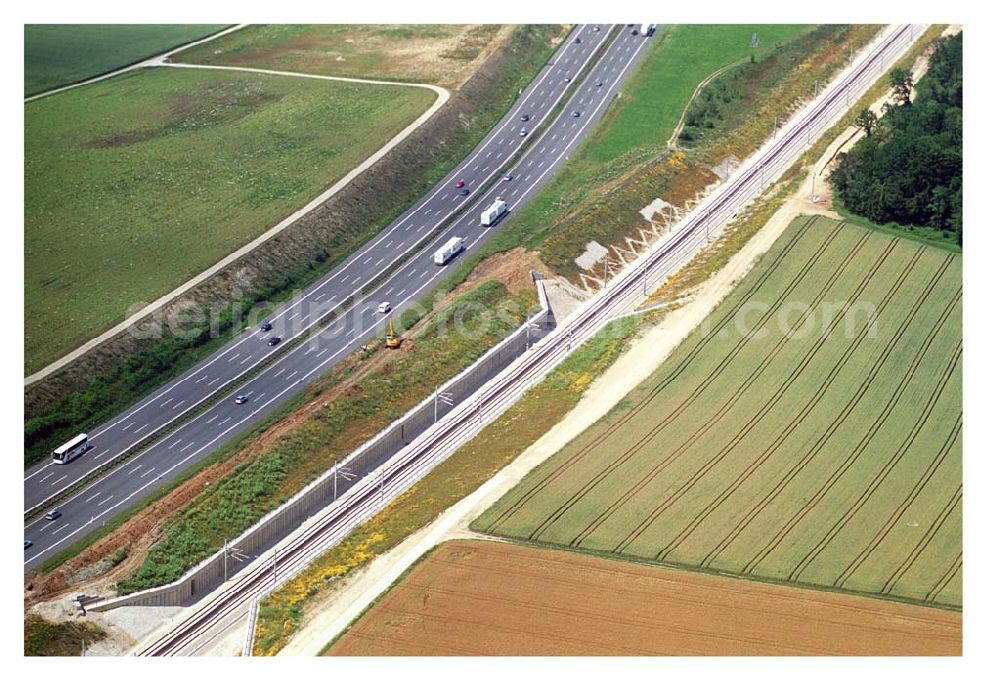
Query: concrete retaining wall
x=337, y=480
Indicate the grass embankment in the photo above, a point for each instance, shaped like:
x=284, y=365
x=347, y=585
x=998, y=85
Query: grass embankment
x=459, y=475
x=739, y=231
x=43, y=638
x=439, y=54
x=715, y=462
x=625, y=164
x=453, y=339
x=61, y=54
x=317, y=246
x=134, y=185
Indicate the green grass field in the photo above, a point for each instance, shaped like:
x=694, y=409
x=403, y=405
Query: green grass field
x=135, y=184
x=60, y=54
x=634, y=130
x=818, y=447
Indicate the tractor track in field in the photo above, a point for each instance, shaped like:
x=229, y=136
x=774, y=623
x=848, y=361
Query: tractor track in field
x=647, y=399
x=831, y=429
x=860, y=446
x=767, y=407
x=929, y=535
x=626, y=455
x=945, y=579
x=653, y=472
x=880, y=477
x=903, y=505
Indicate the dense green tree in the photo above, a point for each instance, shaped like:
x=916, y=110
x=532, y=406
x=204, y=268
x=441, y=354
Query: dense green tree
x=908, y=167
x=866, y=120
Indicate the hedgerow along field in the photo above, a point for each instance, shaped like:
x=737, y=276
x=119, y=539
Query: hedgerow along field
x=61, y=54
x=134, y=185
x=439, y=54
x=809, y=432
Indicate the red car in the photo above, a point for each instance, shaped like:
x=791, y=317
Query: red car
x=459, y=183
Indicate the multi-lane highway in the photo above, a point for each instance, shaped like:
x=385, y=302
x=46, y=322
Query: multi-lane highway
x=535, y=157
x=231, y=602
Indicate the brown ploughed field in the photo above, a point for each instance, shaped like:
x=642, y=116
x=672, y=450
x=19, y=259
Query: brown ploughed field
x=489, y=598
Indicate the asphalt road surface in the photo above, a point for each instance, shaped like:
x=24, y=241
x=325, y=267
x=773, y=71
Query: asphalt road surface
x=541, y=155
x=230, y=602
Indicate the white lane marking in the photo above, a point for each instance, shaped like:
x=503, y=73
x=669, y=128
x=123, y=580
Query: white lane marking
x=226, y=421
x=319, y=297
x=177, y=405
x=102, y=453
x=138, y=465
x=355, y=280
x=277, y=374
x=365, y=262
x=189, y=445
x=178, y=441
x=92, y=497
x=47, y=476
x=232, y=358
x=130, y=424
x=202, y=378
x=292, y=317
x=60, y=529
x=147, y=472
x=248, y=358
x=400, y=245
x=213, y=381
x=211, y=419
x=105, y=501
x=166, y=402
x=57, y=480
x=330, y=279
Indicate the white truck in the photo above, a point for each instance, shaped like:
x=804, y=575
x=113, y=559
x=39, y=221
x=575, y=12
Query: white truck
x=493, y=212
x=448, y=250
x=646, y=30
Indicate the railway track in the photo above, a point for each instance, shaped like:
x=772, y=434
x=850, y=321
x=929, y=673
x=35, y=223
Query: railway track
x=230, y=603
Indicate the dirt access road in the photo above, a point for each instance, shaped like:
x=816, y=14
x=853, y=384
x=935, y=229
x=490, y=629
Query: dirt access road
x=332, y=612
x=487, y=598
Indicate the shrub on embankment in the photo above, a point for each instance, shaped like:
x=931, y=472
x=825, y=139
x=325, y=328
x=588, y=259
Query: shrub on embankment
x=112, y=376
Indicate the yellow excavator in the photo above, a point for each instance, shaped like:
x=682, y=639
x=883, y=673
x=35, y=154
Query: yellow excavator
x=391, y=339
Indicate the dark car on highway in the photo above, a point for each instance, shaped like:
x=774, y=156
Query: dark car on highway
x=274, y=340
x=524, y=117
x=266, y=326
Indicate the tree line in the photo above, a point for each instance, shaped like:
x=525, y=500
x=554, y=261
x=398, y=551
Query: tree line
x=907, y=169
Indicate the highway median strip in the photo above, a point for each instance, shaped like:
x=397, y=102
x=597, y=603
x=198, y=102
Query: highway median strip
x=347, y=304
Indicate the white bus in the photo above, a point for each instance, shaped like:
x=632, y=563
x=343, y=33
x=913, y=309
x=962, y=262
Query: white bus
x=71, y=449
